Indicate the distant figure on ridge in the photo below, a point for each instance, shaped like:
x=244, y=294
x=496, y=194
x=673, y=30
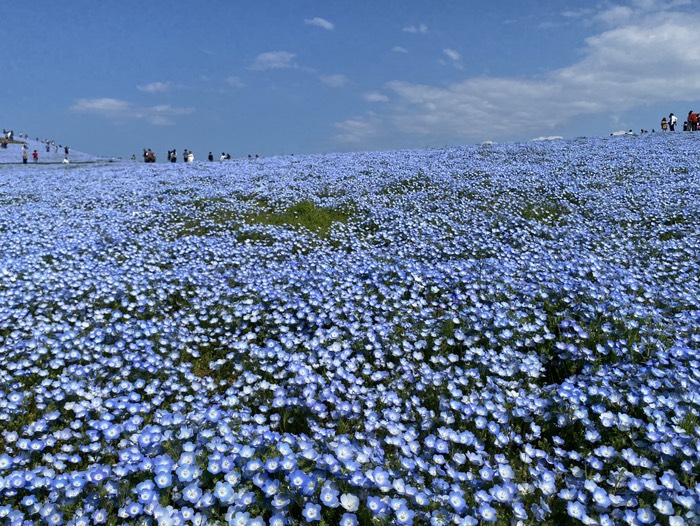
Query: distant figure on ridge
x=24, y=156
x=190, y=157
x=35, y=156
x=210, y=157
x=664, y=124
x=149, y=156
x=672, y=121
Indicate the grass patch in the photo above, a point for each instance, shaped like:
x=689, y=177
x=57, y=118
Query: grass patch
x=547, y=212
x=304, y=214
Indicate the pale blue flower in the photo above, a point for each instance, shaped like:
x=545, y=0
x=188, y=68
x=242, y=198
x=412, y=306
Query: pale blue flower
x=312, y=512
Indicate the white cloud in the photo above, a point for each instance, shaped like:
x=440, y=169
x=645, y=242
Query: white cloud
x=234, y=81
x=621, y=14
x=117, y=109
x=358, y=130
x=399, y=49
x=375, y=96
x=154, y=87
x=163, y=114
x=106, y=107
x=649, y=59
x=452, y=54
x=320, y=22
x=334, y=81
x=420, y=29
x=274, y=60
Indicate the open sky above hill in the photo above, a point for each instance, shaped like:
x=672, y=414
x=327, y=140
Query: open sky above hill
x=304, y=76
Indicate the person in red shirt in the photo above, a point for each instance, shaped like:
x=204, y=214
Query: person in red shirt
x=692, y=121
x=35, y=156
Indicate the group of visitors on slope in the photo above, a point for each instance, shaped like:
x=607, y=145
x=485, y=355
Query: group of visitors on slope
x=187, y=156
x=691, y=124
x=35, y=155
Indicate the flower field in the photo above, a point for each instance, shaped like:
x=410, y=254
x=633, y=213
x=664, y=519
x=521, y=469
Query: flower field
x=499, y=334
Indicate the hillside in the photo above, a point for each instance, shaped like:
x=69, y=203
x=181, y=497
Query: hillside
x=13, y=153
x=501, y=334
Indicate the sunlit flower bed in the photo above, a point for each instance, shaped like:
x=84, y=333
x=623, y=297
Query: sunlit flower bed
x=504, y=334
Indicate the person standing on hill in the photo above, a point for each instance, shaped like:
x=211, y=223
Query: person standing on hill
x=692, y=121
x=664, y=124
x=35, y=156
x=24, y=156
x=672, y=121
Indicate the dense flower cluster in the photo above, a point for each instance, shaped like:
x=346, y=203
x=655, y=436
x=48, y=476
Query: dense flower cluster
x=502, y=333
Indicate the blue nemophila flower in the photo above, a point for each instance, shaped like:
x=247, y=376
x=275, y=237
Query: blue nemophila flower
x=457, y=502
x=5, y=461
x=487, y=513
x=329, y=496
x=377, y=506
x=312, y=512
x=192, y=493
x=665, y=507
x=576, y=510
x=404, y=515
x=241, y=518
x=163, y=479
x=187, y=472
x=350, y=502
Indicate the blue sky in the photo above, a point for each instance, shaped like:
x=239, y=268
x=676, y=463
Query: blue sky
x=296, y=76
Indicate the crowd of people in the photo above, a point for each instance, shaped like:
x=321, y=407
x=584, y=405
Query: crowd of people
x=187, y=156
x=690, y=124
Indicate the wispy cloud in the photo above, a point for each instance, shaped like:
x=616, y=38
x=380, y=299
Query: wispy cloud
x=334, y=81
x=358, y=130
x=399, y=49
x=234, y=81
x=274, y=60
x=375, y=96
x=154, y=87
x=320, y=22
x=454, y=56
x=420, y=29
x=623, y=14
x=117, y=109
